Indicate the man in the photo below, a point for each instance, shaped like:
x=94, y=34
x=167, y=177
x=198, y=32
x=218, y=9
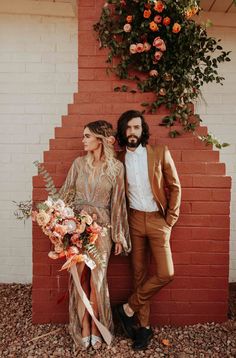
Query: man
x=152, y=213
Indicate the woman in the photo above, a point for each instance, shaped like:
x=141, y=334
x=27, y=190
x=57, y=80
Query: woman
x=96, y=182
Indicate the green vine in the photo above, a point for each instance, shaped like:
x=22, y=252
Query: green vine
x=161, y=49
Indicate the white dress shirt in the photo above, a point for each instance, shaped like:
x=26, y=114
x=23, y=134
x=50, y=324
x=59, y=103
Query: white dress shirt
x=139, y=188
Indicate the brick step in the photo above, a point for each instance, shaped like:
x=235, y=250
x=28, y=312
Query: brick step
x=183, y=168
x=187, y=181
x=178, y=155
x=112, y=97
x=101, y=108
x=73, y=130
x=172, y=143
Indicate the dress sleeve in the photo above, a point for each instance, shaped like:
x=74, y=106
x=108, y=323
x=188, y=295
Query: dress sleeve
x=68, y=189
x=119, y=217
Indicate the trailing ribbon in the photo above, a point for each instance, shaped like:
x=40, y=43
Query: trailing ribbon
x=104, y=331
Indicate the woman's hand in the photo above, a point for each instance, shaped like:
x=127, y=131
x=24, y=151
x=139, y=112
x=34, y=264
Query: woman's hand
x=118, y=248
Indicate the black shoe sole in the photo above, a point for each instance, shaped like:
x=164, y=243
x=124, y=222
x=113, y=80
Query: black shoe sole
x=143, y=347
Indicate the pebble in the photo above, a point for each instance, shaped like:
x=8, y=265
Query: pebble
x=16, y=332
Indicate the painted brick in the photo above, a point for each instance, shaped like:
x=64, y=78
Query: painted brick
x=200, y=238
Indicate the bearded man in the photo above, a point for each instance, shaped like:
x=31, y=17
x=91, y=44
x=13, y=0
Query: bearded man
x=150, y=172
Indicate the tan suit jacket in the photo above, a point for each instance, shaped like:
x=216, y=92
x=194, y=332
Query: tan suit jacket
x=164, y=181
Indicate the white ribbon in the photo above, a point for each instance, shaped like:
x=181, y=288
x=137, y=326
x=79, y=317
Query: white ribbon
x=104, y=331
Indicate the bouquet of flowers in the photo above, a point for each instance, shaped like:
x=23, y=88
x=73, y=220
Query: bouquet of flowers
x=73, y=236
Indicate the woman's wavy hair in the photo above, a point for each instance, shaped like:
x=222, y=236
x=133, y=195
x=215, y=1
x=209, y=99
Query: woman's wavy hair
x=122, y=126
x=104, y=131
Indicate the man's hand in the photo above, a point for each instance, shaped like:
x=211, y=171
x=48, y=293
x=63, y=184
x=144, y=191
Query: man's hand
x=118, y=248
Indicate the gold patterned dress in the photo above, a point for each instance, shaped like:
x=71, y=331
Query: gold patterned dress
x=97, y=194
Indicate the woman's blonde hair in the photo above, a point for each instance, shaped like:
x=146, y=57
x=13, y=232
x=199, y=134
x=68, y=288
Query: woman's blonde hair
x=104, y=131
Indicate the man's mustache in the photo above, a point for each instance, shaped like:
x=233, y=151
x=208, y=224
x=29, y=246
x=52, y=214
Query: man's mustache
x=132, y=136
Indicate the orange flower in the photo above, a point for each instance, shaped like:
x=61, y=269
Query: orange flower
x=129, y=18
x=147, y=14
x=153, y=26
x=166, y=21
x=159, y=6
x=176, y=28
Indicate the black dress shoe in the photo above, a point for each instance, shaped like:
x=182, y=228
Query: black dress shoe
x=127, y=323
x=142, y=338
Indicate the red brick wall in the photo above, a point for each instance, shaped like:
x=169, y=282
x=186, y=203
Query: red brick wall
x=200, y=240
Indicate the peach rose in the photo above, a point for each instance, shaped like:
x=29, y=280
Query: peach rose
x=127, y=28
x=153, y=26
x=140, y=47
x=59, y=230
x=176, y=28
x=159, y=43
x=166, y=21
x=159, y=6
x=147, y=14
x=146, y=46
x=158, y=55
x=129, y=18
x=153, y=73
x=42, y=218
x=133, y=49
x=158, y=19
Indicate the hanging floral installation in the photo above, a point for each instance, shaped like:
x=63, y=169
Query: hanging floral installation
x=158, y=46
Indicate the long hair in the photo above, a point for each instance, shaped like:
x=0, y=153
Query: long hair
x=122, y=126
x=103, y=130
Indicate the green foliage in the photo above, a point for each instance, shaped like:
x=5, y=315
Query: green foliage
x=188, y=57
x=49, y=183
x=211, y=139
x=24, y=209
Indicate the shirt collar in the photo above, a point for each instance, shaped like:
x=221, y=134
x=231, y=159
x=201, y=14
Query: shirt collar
x=138, y=151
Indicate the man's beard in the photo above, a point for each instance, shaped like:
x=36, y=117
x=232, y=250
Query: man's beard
x=134, y=142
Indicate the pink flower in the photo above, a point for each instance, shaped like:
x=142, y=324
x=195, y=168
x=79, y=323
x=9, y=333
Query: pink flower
x=158, y=19
x=133, y=49
x=153, y=73
x=158, y=55
x=146, y=46
x=159, y=43
x=127, y=28
x=140, y=47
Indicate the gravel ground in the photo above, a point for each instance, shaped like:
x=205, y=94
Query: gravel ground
x=20, y=339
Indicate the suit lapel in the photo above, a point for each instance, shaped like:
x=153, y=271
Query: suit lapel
x=151, y=164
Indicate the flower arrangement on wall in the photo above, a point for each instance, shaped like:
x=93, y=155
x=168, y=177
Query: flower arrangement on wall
x=159, y=46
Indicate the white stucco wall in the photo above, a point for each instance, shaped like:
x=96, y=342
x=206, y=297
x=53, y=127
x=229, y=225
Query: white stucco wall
x=38, y=76
x=219, y=114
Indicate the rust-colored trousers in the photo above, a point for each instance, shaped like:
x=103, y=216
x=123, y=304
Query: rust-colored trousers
x=149, y=230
